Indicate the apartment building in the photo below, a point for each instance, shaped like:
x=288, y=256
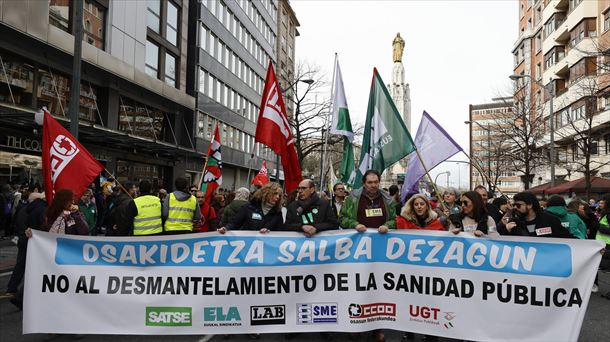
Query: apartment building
x=489, y=145
x=287, y=24
x=135, y=113
x=560, y=56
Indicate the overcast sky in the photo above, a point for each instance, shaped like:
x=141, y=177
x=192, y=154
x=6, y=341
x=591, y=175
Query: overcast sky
x=456, y=53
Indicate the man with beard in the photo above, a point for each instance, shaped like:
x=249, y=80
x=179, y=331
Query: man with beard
x=531, y=220
x=309, y=213
x=369, y=206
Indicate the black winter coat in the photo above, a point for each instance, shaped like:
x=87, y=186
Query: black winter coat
x=250, y=217
x=35, y=212
x=316, y=212
x=542, y=220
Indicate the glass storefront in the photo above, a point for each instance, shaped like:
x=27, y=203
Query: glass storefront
x=20, y=168
x=136, y=172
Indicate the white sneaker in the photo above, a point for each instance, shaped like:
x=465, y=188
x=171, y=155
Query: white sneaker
x=15, y=239
x=595, y=288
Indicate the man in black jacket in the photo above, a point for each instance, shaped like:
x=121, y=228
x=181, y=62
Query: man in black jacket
x=531, y=220
x=309, y=213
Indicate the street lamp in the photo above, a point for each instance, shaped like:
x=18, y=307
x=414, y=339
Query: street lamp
x=488, y=130
x=441, y=173
x=551, y=118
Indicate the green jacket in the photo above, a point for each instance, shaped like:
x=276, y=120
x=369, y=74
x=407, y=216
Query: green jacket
x=569, y=220
x=90, y=214
x=348, y=218
x=229, y=211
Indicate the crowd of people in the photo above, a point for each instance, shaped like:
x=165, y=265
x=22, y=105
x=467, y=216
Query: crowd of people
x=133, y=209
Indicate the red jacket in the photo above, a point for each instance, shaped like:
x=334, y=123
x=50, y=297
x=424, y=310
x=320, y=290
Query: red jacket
x=403, y=223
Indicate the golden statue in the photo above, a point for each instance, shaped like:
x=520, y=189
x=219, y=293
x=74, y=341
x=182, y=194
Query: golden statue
x=398, y=44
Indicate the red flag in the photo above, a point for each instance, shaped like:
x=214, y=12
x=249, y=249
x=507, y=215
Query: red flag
x=273, y=130
x=262, y=177
x=66, y=164
x=212, y=172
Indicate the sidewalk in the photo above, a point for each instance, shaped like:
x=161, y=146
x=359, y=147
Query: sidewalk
x=8, y=256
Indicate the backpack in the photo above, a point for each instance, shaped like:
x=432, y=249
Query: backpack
x=8, y=204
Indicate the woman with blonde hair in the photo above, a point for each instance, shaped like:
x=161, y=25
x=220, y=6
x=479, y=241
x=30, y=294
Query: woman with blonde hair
x=418, y=214
x=262, y=213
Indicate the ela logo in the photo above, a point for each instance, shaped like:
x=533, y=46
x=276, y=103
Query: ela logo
x=267, y=314
x=167, y=316
x=313, y=313
x=217, y=314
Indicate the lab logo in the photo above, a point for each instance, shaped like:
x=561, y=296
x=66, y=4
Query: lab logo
x=168, y=316
x=267, y=314
x=315, y=313
x=219, y=316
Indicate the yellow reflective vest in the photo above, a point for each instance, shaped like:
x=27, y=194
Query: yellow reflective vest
x=148, y=221
x=181, y=214
x=601, y=236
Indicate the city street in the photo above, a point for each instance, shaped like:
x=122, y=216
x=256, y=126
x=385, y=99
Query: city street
x=595, y=326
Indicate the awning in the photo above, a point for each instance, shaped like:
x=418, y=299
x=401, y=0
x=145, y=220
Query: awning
x=598, y=185
x=539, y=189
x=90, y=133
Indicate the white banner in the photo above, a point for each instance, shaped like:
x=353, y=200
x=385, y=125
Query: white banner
x=436, y=283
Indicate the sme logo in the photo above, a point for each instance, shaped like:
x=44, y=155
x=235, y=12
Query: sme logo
x=169, y=316
x=372, y=310
x=314, y=313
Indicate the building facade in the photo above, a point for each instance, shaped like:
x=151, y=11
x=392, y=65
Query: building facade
x=489, y=163
x=233, y=44
x=287, y=24
x=157, y=76
x=135, y=115
x=560, y=56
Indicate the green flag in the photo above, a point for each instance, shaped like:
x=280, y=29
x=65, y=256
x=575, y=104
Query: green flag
x=386, y=139
x=342, y=125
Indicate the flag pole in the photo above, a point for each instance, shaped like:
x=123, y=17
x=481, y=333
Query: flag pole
x=248, y=182
x=430, y=178
x=117, y=181
x=327, y=126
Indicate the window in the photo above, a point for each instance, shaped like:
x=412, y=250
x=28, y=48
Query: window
x=163, y=40
x=172, y=23
x=170, y=70
x=152, y=59
x=594, y=148
x=607, y=143
x=538, y=42
x=606, y=20
x=586, y=28
x=153, y=19
x=94, y=19
x=584, y=67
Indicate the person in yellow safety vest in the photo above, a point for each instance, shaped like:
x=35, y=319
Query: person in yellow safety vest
x=603, y=234
x=180, y=209
x=147, y=212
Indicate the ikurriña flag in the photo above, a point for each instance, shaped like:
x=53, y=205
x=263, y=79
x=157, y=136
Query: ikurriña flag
x=273, y=130
x=66, y=164
x=211, y=178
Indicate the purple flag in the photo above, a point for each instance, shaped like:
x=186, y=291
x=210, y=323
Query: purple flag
x=434, y=145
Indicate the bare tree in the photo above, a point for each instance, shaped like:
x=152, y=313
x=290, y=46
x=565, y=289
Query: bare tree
x=311, y=116
x=519, y=132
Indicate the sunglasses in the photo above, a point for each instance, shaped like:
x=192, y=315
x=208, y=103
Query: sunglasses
x=518, y=205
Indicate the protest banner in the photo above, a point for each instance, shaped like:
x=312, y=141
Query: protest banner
x=435, y=283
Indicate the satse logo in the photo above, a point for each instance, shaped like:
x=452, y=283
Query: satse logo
x=267, y=314
x=313, y=313
x=168, y=316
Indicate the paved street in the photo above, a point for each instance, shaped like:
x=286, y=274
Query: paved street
x=595, y=326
